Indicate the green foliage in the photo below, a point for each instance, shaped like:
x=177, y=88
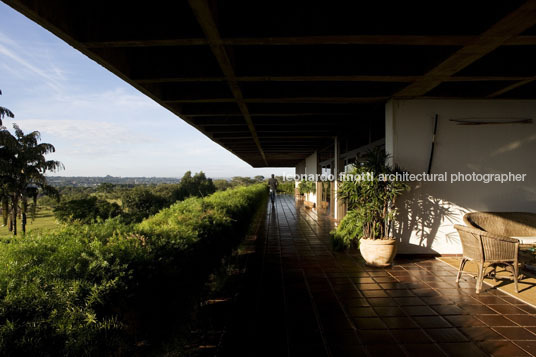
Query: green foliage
x=144, y=201
x=237, y=181
x=222, y=184
x=86, y=210
x=22, y=171
x=245, y=181
x=141, y=202
x=348, y=232
x=54, y=287
x=286, y=186
x=106, y=187
x=99, y=289
x=196, y=186
x=4, y=112
x=307, y=187
x=372, y=198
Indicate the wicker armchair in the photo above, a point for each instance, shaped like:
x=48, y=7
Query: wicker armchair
x=509, y=224
x=488, y=251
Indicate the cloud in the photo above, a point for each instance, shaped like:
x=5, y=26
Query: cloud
x=75, y=130
x=98, y=123
x=109, y=105
x=76, y=137
x=11, y=53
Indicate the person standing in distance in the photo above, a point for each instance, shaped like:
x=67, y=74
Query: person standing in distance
x=272, y=183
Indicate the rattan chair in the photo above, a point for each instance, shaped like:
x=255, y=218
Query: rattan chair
x=488, y=251
x=509, y=224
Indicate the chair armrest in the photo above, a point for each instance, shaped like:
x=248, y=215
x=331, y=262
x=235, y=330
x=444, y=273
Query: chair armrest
x=502, y=238
x=482, y=233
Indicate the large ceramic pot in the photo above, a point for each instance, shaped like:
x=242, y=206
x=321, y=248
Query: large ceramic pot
x=378, y=252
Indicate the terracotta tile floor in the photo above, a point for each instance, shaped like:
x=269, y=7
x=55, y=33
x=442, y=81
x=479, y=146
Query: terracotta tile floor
x=302, y=299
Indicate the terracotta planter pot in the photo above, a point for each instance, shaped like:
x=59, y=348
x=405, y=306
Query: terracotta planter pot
x=309, y=204
x=378, y=252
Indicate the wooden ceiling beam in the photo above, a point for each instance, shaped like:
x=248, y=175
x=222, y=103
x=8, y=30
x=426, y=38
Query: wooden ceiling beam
x=165, y=79
x=289, y=124
x=324, y=131
x=395, y=40
x=338, y=78
x=282, y=114
x=146, y=43
x=510, y=26
x=283, y=100
x=264, y=137
x=512, y=87
x=236, y=143
x=521, y=41
x=203, y=100
x=204, y=16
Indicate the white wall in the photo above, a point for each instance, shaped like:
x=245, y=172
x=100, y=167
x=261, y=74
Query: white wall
x=429, y=211
x=311, y=164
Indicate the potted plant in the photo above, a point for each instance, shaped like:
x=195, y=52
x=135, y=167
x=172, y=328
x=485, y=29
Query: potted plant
x=371, y=198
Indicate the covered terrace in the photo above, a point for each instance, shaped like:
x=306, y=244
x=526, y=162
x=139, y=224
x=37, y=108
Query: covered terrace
x=308, y=86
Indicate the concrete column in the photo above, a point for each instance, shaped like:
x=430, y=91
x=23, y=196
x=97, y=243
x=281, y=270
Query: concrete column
x=390, y=130
x=318, y=194
x=336, y=170
x=311, y=168
x=300, y=170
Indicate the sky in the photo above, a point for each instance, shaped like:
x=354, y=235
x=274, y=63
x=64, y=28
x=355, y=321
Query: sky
x=99, y=124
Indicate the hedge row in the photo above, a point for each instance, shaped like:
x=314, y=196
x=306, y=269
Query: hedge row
x=102, y=289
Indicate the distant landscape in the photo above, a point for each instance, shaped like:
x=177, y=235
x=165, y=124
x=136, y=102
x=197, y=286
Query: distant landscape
x=93, y=181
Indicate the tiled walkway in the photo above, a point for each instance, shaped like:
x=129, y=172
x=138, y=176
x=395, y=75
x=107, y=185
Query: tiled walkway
x=302, y=299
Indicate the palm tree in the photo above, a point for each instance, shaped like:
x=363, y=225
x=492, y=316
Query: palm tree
x=5, y=112
x=22, y=170
x=4, y=198
x=8, y=149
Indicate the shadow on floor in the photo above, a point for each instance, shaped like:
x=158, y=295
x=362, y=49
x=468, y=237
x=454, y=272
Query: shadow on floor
x=302, y=299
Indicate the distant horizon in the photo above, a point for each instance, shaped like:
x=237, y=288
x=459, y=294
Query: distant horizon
x=164, y=177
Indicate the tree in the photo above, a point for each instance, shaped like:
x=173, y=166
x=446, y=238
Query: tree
x=198, y=186
x=4, y=112
x=106, y=187
x=22, y=170
x=222, y=184
x=4, y=196
x=86, y=210
x=242, y=181
x=140, y=202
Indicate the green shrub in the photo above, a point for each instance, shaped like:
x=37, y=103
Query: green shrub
x=348, y=232
x=99, y=289
x=140, y=202
x=55, y=290
x=286, y=187
x=144, y=201
x=197, y=185
x=86, y=210
x=306, y=187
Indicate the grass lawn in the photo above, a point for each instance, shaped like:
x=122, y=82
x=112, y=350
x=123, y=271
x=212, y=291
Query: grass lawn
x=44, y=220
